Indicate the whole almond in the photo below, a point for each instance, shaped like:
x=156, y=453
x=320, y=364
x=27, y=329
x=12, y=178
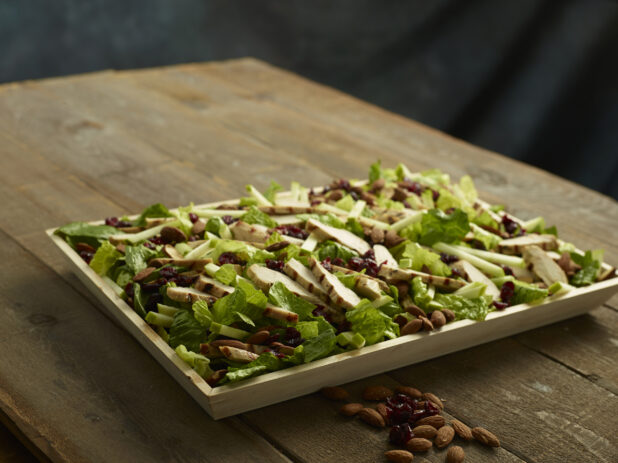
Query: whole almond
x=172, y=235
x=427, y=325
x=377, y=393
x=455, y=454
x=448, y=314
x=444, y=436
x=425, y=431
x=334, y=393
x=409, y=391
x=434, y=398
x=143, y=274
x=399, y=456
x=372, y=417
x=381, y=409
x=436, y=421
x=412, y=327
x=438, y=319
x=418, y=444
x=258, y=338
x=413, y=309
x=462, y=430
x=351, y=409
x=485, y=437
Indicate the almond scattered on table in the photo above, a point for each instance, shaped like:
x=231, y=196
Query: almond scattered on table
x=409, y=391
x=425, y=431
x=351, y=409
x=434, y=398
x=334, y=393
x=455, y=454
x=418, y=444
x=485, y=437
x=372, y=417
x=462, y=430
x=399, y=456
x=377, y=393
x=436, y=421
x=444, y=436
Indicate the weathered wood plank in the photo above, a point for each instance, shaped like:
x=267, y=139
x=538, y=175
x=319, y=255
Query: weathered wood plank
x=69, y=373
x=14, y=451
x=587, y=344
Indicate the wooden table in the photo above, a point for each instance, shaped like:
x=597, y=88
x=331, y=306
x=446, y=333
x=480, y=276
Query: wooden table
x=75, y=387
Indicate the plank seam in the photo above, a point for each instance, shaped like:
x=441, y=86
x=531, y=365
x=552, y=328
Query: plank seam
x=273, y=442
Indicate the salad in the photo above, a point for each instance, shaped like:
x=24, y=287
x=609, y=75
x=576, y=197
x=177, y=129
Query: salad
x=278, y=279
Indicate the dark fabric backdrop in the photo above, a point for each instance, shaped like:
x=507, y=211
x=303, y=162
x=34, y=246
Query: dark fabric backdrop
x=536, y=80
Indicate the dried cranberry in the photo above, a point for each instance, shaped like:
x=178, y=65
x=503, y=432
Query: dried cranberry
x=509, y=224
x=150, y=245
x=400, y=434
x=293, y=231
x=124, y=224
x=168, y=272
x=128, y=289
x=315, y=202
x=343, y=184
x=327, y=264
x=355, y=263
x=448, y=258
x=185, y=280
x=156, y=239
x=112, y=221
x=153, y=300
x=338, y=261
x=435, y=195
x=86, y=255
x=276, y=265
x=292, y=337
x=507, y=270
x=228, y=219
x=431, y=408
x=500, y=305
x=230, y=258
x=507, y=291
x=193, y=217
x=406, y=204
x=367, y=262
x=153, y=285
x=193, y=238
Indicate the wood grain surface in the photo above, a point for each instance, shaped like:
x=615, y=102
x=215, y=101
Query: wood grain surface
x=86, y=147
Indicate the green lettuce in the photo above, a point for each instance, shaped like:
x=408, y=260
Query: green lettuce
x=234, y=307
x=472, y=308
x=255, y=216
x=376, y=172
x=202, y=313
x=226, y=274
x=526, y=293
x=104, y=258
x=327, y=219
x=319, y=346
x=186, y=330
x=439, y=226
x=420, y=257
x=308, y=329
x=590, y=264
x=333, y=250
x=264, y=363
x=157, y=210
x=272, y=190
x=198, y=362
x=346, y=203
x=137, y=257
x=368, y=321
x=282, y=297
x=81, y=232
x=422, y=296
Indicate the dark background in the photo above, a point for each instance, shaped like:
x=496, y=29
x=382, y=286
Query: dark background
x=536, y=80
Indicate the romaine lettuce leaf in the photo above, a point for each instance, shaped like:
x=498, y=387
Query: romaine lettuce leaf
x=226, y=274
x=590, y=264
x=439, y=226
x=202, y=313
x=253, y=296
x=420, y=257
x=154, y=211
x=104, y=258
x=272, y=190
x=186, y=330
x=422, y=296
x=370, y=322
x=228, y=309
x=264, y=363
x=137, y=257
x=198, y=362
x=333, y=250
x=255, y=216
x=346, y=203
x=328, y=219
x=473, y=308
x=83, y=232
x=319, y=346
x=527, y=293
x=308, y=330
x=280, y=296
